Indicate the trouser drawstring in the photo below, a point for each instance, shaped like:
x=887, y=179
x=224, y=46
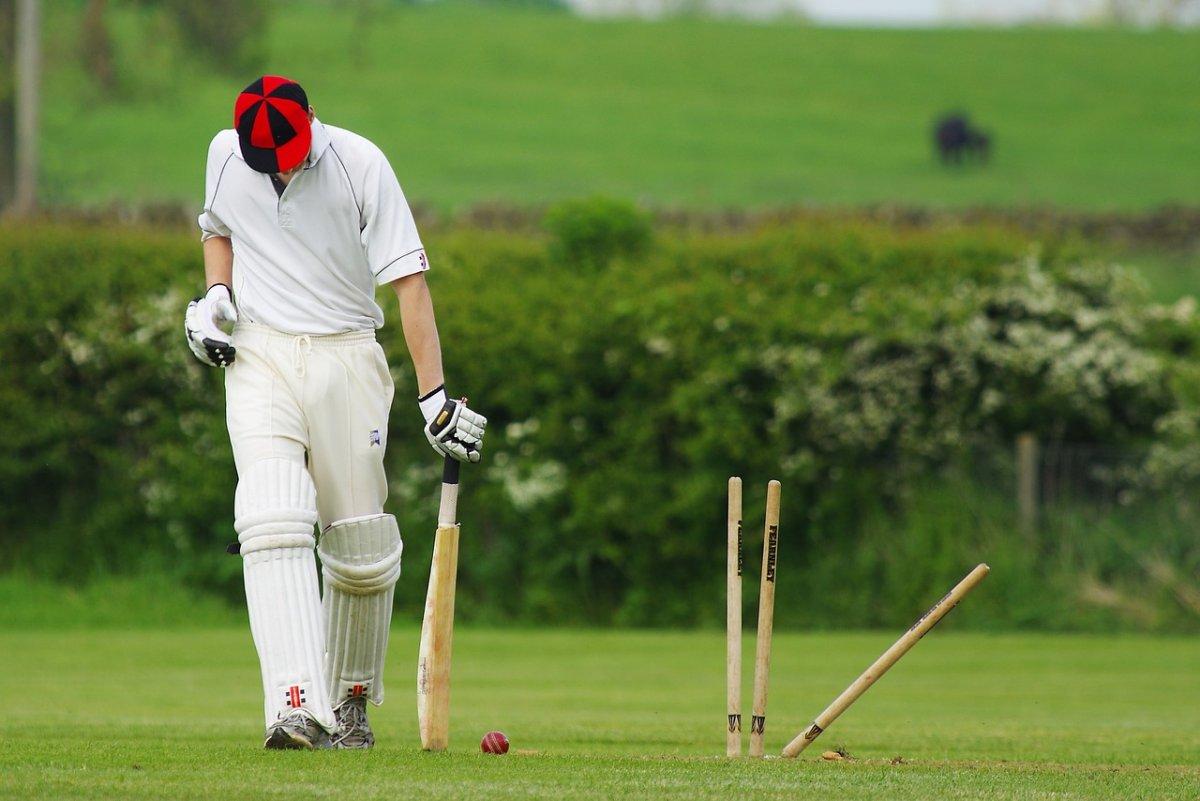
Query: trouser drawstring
x=302, y=348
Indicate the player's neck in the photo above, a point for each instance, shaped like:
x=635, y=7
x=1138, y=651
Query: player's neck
x=286, y=177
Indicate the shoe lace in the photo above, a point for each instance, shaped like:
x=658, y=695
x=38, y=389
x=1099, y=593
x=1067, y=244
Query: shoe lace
x=352, y=721
x=297, y=718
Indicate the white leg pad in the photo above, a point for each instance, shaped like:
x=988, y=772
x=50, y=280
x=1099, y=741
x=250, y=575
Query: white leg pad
x=360, y=559
x=275, y=509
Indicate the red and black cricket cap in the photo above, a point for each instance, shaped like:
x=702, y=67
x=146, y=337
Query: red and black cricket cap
x=271, y=117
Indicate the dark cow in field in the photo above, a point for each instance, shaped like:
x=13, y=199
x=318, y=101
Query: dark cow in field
x=957, y=140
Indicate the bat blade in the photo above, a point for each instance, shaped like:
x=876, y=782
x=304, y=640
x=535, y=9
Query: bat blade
x=437, y=634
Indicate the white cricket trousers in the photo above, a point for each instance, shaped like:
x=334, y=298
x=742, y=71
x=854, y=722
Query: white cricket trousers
x=308, y=418
x=324, y=396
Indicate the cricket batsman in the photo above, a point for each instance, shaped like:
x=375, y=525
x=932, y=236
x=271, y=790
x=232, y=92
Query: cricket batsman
x=301, y=221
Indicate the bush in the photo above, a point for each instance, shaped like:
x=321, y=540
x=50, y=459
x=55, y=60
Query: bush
x=856, y=363
x=114, y=458
x=590, y=233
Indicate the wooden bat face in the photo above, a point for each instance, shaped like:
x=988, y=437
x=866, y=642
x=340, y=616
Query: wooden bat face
x=437, y=634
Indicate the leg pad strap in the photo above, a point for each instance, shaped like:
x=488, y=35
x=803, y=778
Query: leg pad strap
x=275, y=506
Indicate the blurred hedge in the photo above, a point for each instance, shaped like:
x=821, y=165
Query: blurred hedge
x=855, y=362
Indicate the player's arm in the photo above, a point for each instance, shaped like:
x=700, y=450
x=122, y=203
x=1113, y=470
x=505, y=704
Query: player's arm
x=420, y=331
x=452, y=428
x=218, y=261
x=396, y=256
x=204, y=316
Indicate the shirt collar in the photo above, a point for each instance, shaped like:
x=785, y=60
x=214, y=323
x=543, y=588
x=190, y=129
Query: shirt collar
x=320, y=143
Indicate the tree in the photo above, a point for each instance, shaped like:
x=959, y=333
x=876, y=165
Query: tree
x=27, y=66
x=8, y=106
x=96, y=46
x=1153, y=12
x=228, y=33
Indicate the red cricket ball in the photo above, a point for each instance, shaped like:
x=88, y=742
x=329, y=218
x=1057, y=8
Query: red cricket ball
x=494, y=742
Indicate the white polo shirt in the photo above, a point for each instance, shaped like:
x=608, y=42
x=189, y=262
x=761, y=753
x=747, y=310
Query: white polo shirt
x=308, y=261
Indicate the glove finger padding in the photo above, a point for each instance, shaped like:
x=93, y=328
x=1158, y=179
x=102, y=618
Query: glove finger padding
x=457, y=431
x=220, y=354
x=471, y=424
x=468, y=435
x=463, y=452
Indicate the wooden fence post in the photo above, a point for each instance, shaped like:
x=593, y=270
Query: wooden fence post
x=28, y=99
x=1028, y=464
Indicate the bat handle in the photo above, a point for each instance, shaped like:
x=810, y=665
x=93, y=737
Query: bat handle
x=448, y=510
x=450, y=470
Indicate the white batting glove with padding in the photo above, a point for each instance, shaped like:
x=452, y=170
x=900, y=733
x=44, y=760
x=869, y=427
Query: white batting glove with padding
x=208, y=342
x=451, y=428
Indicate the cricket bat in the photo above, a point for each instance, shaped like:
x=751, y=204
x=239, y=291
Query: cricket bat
x=437, y=630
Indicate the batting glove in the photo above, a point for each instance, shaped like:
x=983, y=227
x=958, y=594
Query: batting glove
x=451, y=428
x=208, y=342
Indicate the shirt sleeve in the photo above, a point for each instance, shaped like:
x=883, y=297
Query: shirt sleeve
x=389, y=233
x=219, y=155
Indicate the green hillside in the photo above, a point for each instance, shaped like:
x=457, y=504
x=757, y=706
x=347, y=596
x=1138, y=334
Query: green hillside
x=477, y=104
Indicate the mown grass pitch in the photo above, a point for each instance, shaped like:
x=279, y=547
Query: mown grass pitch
x=474, y=103
x=591, y=715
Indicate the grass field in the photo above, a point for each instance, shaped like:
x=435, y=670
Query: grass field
x=478, y=104
x=591, y=715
